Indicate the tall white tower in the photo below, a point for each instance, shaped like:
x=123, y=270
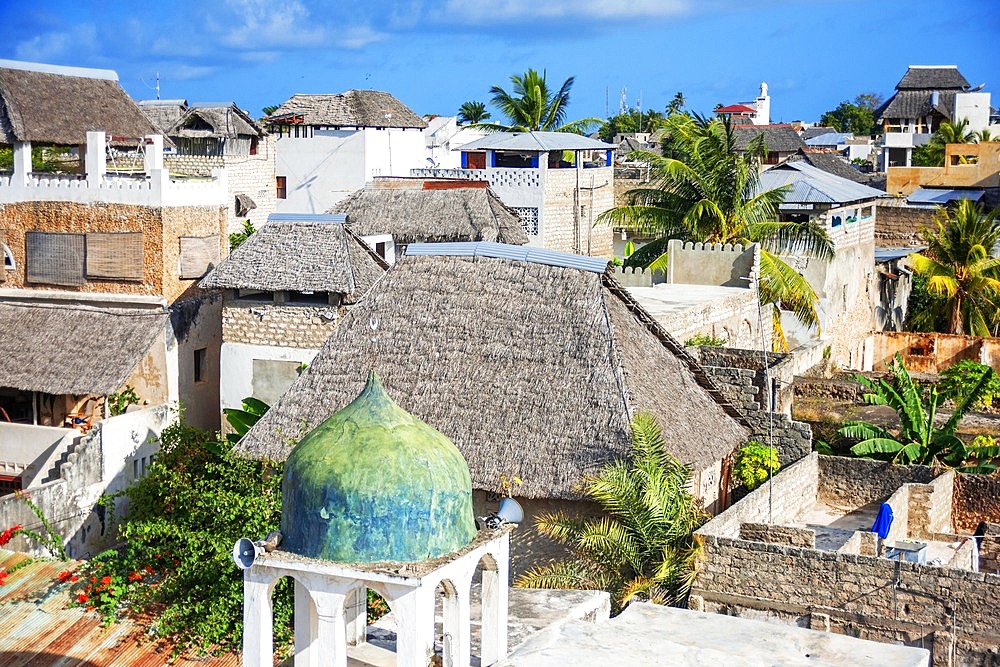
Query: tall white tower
x=763, y=105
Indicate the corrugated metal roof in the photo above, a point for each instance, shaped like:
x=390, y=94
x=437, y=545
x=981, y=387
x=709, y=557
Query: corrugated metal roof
x=889, y=254
x=830, y=139
x=810, y=185
x=514, y=252
x=941, y=196
x=534, y=142
x=340, y=218
x=39, y=628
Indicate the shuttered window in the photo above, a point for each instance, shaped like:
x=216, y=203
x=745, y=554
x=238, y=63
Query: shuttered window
x=115, y=255
x=198, y=255
x=55, y=258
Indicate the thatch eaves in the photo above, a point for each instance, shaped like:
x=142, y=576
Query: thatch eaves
x=163, y=113
x=532, y=369
x=429, y=216
x=355, y=108
x=319, y=255
x=74, y=349
x=224, y=121
x=45, y=104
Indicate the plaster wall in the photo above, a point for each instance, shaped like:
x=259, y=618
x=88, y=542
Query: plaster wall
x=933, y=352
x=711, y=263
x=975, y=107
x=393, y=151
x=237, y=361
x=965, y=166
x=27, y=448
x=197, y=325
x=151, y=378
x=320, y=170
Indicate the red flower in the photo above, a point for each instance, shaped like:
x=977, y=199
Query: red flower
x=90, y=607
x=93, y=580
x=134, y=576
x=65, y=575
x=81, y=598
x=74, y=579
x=6, y=535
x=105, y=580
x=3, y=576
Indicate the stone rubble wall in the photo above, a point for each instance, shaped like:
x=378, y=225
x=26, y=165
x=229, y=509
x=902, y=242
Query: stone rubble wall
x=560, y=215
x=762, y=532
x=899, y=226
x=263, y=323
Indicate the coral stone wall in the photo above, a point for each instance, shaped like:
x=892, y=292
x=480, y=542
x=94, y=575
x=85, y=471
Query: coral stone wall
x=899, y=226
x=560, y=218
x=188, y=221
x=283, y=326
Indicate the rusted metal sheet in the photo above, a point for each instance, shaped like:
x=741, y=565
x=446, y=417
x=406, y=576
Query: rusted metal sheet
x=933, y=352
x=39, y=628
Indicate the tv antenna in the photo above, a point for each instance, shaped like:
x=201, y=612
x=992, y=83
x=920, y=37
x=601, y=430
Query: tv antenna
x=156, y=87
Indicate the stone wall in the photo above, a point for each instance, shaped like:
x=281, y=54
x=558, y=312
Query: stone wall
x=899, y=225
x=565, y=229
x=188, y=221
x=285, y=326
x=976, y=499
x=762, y=532
x=852, y=482
x=932, y=352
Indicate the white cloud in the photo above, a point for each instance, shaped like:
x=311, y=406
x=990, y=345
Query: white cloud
x=55, y=46
x=506, y=10
x=357, y=37
x=265, y=24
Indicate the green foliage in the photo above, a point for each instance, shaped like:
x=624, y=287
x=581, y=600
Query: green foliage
x=960, y=271
x=237, y=238
x=183, y=519
x=47, y=538
x=918, y=440
x=932, y=153
x=924, y=311
x=119, y=401
x=958, y=381
x=472, y=112
x=710, y=192
x=46, y=159
x=532, y=106
x=708, y=340
x=857, y=117
x=677, y=104
x=270, y=109
x=755, y=463
x=641, y=546
x=377, y=606
x=243, y=420
x=633, y=120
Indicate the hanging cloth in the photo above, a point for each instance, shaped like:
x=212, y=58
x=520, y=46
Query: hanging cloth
x=883, y=522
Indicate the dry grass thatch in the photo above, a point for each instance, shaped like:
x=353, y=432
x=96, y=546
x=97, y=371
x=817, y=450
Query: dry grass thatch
x=298, y=256
x=355, y=108
x=432, y=216
x=201, y=121
x=74, y=349
x=60, y=109
x=532, y=370
x=163, y=113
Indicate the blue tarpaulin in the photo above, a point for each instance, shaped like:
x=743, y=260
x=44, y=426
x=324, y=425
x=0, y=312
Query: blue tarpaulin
x=883, y=521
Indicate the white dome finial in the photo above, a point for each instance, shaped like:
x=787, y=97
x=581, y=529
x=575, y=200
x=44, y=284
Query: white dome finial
x=763, y=89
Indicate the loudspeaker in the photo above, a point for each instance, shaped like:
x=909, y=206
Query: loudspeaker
x=245, y=553
x=510, y=511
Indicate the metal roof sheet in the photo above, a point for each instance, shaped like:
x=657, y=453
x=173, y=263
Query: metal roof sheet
x=339, y=218
x=830, y=139
x=810, y=185
x=889, y=254
x=942, y=196
x=513, y=252
x=535, y=142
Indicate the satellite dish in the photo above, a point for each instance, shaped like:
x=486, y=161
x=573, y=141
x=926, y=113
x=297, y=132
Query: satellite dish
x=245, y=553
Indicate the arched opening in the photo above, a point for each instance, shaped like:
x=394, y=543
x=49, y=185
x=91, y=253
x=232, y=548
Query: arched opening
x=283, y=610
x=485, y=617
x=448, y=633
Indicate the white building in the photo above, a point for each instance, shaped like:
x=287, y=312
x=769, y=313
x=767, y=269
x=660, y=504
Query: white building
x=331, y=145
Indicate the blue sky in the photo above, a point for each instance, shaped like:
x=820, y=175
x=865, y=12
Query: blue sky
x=434, y=55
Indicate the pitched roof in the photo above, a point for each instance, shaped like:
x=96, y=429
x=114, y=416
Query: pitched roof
x=162, y=113
x=735, y=108
x=355, y=108
x=815, y=131
x=532, y=368
x=779, y=138
x=829, y=139
x=917, y=103
x=810, y=185
x=536, y=142
x=419, y=216
x=831, y=163
x=300, y=252
x=214, y=120
x=73, y=349
x=932, y=77
x=46, y=104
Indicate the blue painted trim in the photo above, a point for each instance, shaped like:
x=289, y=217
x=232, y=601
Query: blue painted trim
x=608, y=159
x=465, y=160
x=534, y=161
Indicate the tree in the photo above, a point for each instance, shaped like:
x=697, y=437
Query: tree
x=918, y=440
x=642, y=545
x=870, y=100
x=270, y=109
x=532, y=106
x=675, y=105
x=710, y=192
x=960, y=270
x=848, y=117
x=472, y=112
x=932, y=153
x=632, y=120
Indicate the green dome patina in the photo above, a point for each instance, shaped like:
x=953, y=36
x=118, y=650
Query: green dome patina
x=375, y=483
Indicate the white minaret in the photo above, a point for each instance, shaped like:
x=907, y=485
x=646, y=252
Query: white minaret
x=763, y=105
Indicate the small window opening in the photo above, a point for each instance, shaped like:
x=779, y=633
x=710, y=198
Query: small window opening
x=282, y=187
x=200, y=356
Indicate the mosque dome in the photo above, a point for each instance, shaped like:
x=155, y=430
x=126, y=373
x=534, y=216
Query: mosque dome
x=374, y=483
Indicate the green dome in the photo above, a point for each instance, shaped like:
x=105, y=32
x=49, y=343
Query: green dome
x=375, y=483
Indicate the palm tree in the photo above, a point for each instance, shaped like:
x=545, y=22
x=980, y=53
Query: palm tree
x=710, y=192
x=918, y=440
x=472, y=112
x=960, y=270
x=931, y=154
x=642, y=546
x=533, y=107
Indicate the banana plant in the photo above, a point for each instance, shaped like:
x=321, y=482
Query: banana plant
x=243, y=420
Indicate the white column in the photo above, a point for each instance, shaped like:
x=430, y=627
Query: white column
x=22, y=163
x=457, y=626
x=331, y=646
x=356, y=611
x=153, y=155
x=306, y=629
x=414, y=610
x=258, y=643
x=96, y=162
x=494, y=605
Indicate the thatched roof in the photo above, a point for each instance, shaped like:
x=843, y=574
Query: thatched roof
x=45, y=104
x=355, y=108
x=533, y=368
x=421, y=216
x=226, y=121
x=779, y=138
x=162, y=113
x=300, y=253
x=932, y=77
x=915, y=97
x=73, y=349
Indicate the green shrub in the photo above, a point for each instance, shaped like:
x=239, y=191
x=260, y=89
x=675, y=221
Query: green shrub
x=708, y=340
x=754, y=462
x=959, y=379
x=119, y=401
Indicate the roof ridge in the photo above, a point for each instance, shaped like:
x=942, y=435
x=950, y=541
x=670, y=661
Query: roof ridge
x=521, y=253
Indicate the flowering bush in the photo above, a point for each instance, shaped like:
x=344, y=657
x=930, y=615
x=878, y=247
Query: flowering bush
x=8, y=534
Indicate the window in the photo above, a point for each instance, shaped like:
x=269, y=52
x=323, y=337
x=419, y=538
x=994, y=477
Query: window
x=281, y=182
x=380, y=249
x=54, y=258
x=115, y=255
x=199, y=364
x=198, y=254
x=836, y=221
x=253, y=145
x=8, y=260
x=310, y=297
x=254, y=295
